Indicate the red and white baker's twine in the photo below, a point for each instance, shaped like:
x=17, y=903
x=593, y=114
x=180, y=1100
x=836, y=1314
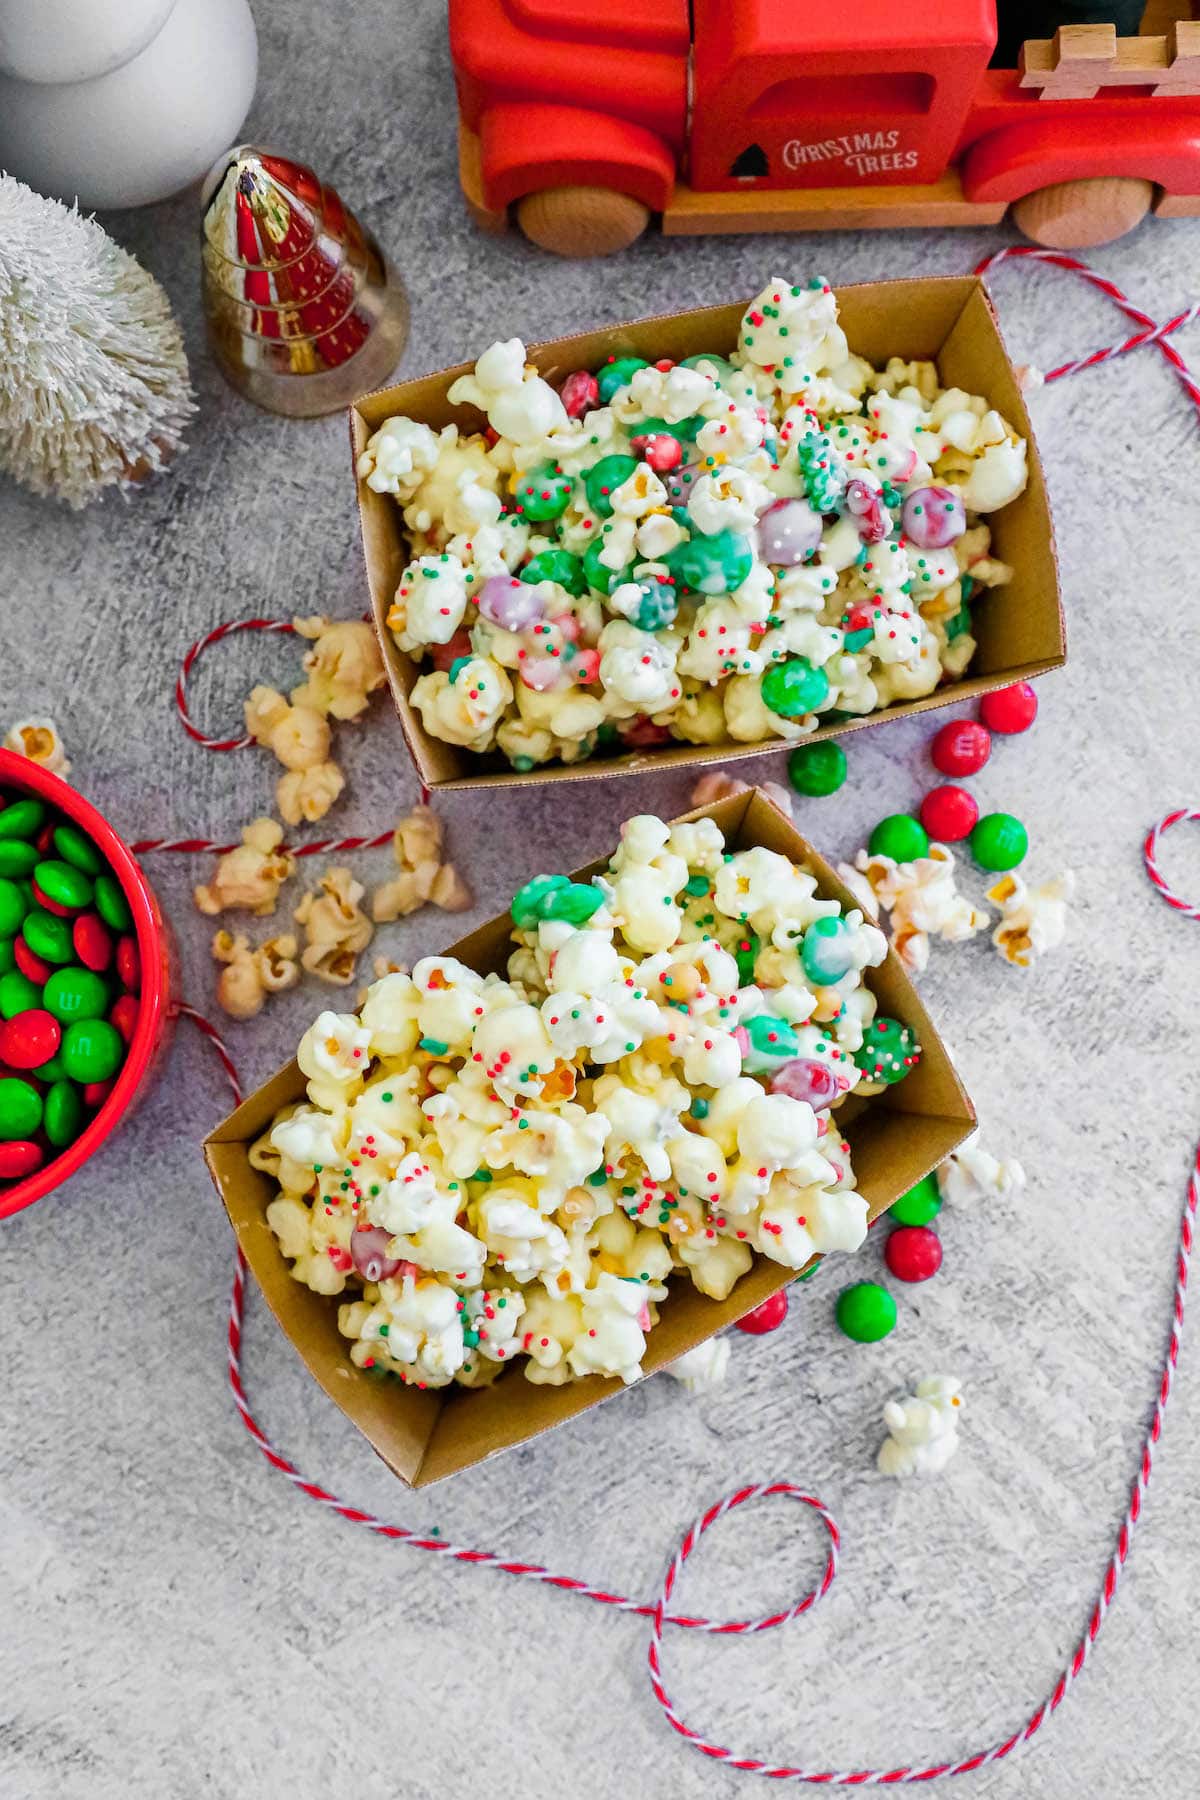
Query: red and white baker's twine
x=656, y=1610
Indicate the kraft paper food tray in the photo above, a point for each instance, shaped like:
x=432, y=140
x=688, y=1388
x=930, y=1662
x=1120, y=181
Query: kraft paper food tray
x=424, y=1436
x=1020, y=629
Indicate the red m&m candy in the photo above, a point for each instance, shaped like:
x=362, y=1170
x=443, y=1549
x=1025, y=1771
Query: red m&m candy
x=913, y=1253
x=30, y=964
x=19, y=1157
x=767, y=1317
x=1010, y=709
x=124, y=1016
x=29, y=1039
x=93, y=942
x=961, y=748
x=129, y=966
x=949, y=814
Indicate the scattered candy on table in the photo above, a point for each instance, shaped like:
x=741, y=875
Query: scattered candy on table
x=922, y=1429
x=961, y=747
x=866, y=1312
x=899, y=837
x=999, y=842
x=1009, y=710
x=767, y=1317
x=731, y=548
x=67, y=1014
x=949, y=814
x=508, y=1170
x=913, y=1252
x=921, y=1203
x=817, y=769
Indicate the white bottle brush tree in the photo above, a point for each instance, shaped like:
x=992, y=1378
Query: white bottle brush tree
x=94, y=388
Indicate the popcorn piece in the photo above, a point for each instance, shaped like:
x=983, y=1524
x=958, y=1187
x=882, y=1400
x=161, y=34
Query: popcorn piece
x=250, y=974
x=922, y=1429
x=335, y=927
x=703, y=1368
x=334, y=1053
x=250, y=876
x=344, y=666
x=299, y=738
x=417, y=847
x=921, y=897
x=1032, y=920
x=518, y=403
x=39, y=740
x=971, y=1174
x=397, y=456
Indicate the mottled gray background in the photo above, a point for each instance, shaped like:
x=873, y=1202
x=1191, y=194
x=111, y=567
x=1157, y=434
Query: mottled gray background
x=174, y=1619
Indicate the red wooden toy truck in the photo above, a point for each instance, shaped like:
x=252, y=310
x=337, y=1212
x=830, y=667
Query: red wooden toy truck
x=586, y=116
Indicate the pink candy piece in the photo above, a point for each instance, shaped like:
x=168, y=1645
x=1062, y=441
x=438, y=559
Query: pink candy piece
x=542, y=673
x=865, y=506
x=444, y=656
x=509, y=603
x=789, y=532
x=584, y=667
x=660, y=450
x=568, y=627
x=933, y=518
x=579, y=393
x=643, y=734
x=807, y=1078
x=369, y=1253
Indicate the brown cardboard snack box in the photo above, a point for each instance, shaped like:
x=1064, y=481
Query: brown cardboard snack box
x=1019, y=628
x=424, y=1435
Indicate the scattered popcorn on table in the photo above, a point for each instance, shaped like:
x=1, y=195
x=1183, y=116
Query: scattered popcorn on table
x=921, y=897
x=702, y=1368
x=335, y=927
x=39, y=740
x=716, y=784
x=1032, y=920
x=252, y=972
x=299, y=738
x=923, y=1429
x=509, y=1169
x=344, y=666
x=423, y=877
x=250, y=876
x=730, y=548
x=972, y=1174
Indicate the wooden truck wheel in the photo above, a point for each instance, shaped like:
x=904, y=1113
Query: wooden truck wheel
x=582, y=221
x=1073, y=215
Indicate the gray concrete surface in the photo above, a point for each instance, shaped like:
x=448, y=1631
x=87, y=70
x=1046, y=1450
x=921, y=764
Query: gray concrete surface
x=174, y=1619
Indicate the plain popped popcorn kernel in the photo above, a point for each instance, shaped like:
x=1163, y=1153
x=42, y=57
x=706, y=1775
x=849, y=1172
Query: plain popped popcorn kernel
x=724, y=550
x=516, y=1168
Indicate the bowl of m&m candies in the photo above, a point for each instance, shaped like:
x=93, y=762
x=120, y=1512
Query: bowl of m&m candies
x=85, y=982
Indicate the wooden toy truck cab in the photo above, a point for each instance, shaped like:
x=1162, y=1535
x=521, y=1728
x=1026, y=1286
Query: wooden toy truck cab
x=587, y=116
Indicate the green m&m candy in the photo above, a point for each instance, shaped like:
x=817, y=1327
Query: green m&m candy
x=543, y=493
x=14, y=905
x=74, y=846
x=711, y=565
x=18, y=994
x=817, y=769
x=899, y=836
x=92, y=1050
x=866, y=1312
x=75, y=993
x=598, y=575
x=562, y=566
x=66, y=885
x=8, y=955
x=827, y=952
x=111, y=903
x=604, y=478
x=794, y=687
x=771, y=1042
x=617, y=373
x=62, y=1114
x=22, y=819
x=889, y=1051
x=572, y=904
x=528, y=901
x=999, y=841
x=20, y=1109
x=50, y=1071
x=48, y=937
x=18, y=856
x=920, y=1204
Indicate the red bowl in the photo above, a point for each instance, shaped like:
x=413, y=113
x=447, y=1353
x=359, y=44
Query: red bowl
x=158, y=1004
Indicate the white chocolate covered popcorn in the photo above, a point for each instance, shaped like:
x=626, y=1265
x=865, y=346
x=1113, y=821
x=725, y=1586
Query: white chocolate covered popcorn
x=723, y=550
x=922, y=1429
x=514, y=1167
